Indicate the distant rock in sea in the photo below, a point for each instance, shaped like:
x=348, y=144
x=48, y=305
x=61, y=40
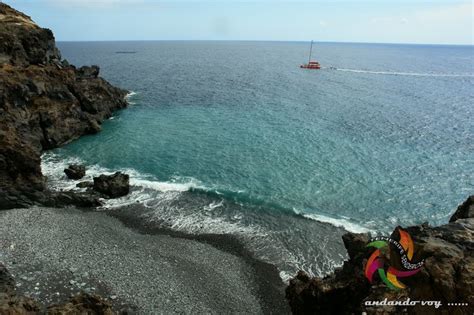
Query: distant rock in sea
x=44, y=103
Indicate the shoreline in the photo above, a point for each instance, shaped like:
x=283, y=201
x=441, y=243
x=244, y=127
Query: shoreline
x=270, y=285
x=211, y=273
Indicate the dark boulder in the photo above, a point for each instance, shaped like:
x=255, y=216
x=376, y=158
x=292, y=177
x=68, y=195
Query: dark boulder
x=113, y=186
x=75, y=171
x=72, y=198
x=85, y=184
x=465, y=210
x=88, y=72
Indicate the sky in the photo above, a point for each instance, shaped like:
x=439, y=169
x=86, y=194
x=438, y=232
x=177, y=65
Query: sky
x=375, y=21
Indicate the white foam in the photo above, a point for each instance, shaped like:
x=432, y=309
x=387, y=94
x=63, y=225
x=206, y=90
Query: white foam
x=341, y=222
x=213, y=205
x=406, y=73
x=151, y=193
x=129, y=97
x=165, y=186
x=164, y=206
x=131, y=94
x=53, y=167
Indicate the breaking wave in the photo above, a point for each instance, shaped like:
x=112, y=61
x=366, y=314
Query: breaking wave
x=290, y=240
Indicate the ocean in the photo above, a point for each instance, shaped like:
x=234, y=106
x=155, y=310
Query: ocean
x=233, y=137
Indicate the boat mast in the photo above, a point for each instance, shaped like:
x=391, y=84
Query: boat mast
x=310, y=51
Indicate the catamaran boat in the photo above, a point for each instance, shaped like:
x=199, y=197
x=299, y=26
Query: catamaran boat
x=311, y=64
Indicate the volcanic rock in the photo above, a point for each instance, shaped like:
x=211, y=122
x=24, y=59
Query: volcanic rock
x=446, y=276
x=465, y=210
x=75, y=171
x=83, y=303
x=10, y=302
x=85, y=184
x=113, y=186
x=7, y=283
x=13, y=303
x=44, y=103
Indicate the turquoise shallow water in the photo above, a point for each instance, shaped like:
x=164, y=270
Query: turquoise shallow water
x=236, y=134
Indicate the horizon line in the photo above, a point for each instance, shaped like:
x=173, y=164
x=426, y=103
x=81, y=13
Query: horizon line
x=263, y=40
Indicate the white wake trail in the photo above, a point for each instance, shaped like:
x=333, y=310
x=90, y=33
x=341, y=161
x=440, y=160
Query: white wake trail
x=413, y=74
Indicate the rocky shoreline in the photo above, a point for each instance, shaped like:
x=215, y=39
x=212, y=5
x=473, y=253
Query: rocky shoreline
x=44, y=103
x=447, y=275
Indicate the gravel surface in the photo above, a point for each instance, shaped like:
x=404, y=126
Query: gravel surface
x=54, y=253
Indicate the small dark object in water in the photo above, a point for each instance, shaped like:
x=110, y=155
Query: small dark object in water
x=125, y=52
x=114, y=186
x=75, y=171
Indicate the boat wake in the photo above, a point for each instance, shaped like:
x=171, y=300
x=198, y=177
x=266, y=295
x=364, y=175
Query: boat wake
x=395, y=73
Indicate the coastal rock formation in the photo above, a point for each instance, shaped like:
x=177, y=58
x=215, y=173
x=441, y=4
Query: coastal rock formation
x=13, y=303
x=447, y=275
x=113, y=186
x=22, y=42
x=465, y=210
x=44, y=103
x=10, y=302
x=85, y=184
x=83, y=304
x=75, y=171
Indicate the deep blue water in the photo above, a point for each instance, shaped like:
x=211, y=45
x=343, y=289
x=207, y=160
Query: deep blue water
x=235, y=137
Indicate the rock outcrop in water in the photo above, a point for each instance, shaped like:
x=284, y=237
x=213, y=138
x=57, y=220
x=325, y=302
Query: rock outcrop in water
x=44, y=103
x=75, y=171
x=113, y=186
x=447, y=275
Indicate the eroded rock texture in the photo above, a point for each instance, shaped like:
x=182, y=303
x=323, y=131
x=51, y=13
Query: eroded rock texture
x=447, y=275
x=44, y=103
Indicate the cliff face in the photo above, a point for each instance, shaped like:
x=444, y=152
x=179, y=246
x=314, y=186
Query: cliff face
x=44, y=103
x=446, y=276
x=22, y=42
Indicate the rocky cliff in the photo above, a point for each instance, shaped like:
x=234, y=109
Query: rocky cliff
x=44, y=103
x=447, y=275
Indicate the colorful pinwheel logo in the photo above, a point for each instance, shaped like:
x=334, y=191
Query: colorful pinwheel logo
x=377, y=262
